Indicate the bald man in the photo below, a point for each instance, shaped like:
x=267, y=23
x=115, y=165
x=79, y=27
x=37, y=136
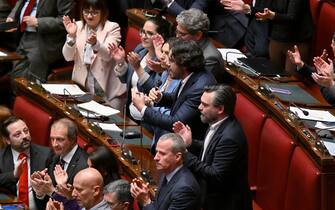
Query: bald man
x=88, y=190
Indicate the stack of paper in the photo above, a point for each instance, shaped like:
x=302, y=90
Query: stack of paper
x=63, y=89
x=312, y=114
x=95, y=107
x=231, y=55
x=110, y=127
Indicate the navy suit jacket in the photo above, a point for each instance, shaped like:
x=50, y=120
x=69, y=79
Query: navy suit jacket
x=183, y=108
x=181, y=192
x=40, y=158
x=77, y=163
x=223, y=174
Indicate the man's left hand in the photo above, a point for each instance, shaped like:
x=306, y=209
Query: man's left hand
x=31, y=21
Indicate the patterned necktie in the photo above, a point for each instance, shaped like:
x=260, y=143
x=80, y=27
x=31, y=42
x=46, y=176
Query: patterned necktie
x=27, y=12
x=23, y=181
x=61, y=163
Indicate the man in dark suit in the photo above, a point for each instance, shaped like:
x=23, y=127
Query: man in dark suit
x=68, y=155
x=178, y=189
x=222, y=165
x=187, y=64
x=12, y=167
x=43, y=35
x=193, y=24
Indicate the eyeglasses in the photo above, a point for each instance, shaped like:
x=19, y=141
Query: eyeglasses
x=94, y=13
x=148, y=34
x=179, y=33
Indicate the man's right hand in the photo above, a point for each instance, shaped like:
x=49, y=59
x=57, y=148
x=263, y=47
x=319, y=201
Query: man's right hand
x=9, y=19
x=18, y=169
x=140, y=192
x=184, y=131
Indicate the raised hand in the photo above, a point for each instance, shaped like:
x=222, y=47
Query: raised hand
x=138, y=99
x=295, y=57
x=70, y=26
x=154, y=65
x=266, y=14
x=155, y=95
x=18, y=168
x=65, y=190
x=158, y=41
x=235, y=5
x=134, y=60
x=325, y=72
x=92, y=38
x=184, y=131
x=140, y=191
x=54, y=205
x=61, y=176
x=324, y=55
x=117, y=53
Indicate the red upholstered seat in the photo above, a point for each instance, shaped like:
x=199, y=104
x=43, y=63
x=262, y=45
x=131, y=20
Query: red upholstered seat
x=303, y=185
x=38, y=120
x=132, y=39
x=324, y=28
x=275, y=152
x=84, y=145
x=252, y=120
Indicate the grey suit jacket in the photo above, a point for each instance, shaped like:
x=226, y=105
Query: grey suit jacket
x=77, y=163
x=40, y=158
x=50, y=30
x=181, y=192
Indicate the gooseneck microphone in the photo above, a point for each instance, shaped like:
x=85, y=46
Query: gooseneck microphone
x=305, y=112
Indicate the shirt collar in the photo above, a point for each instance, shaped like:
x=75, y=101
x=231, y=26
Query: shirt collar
x=67, y=158
x=16, y=153
x=170, y=175
x=215, y=125
x=183, y=82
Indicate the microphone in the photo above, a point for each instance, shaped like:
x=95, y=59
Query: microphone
x=158, y=84
x=36, y=78
x=305, y=112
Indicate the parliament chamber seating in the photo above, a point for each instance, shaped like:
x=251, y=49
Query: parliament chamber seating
x=82, y=143
x=315, y=9
x=252, y=119
x=132, y=39
x=324, y=28
x=275, y=151
x=303, y=183
x=38, y=120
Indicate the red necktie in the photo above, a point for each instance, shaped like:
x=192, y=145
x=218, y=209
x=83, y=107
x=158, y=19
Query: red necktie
x=23, y=181
x=27, y=12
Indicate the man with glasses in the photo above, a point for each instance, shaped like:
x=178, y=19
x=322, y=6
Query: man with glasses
x=193, y=24
x=117, y=195
x=43, y=35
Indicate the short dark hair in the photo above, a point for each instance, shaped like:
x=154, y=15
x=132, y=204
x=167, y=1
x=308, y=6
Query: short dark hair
x=164, y=27
x=97, y=5
x=104, y=161
x=10, y=120
x=72, y=129
x=121, y=188
x=188, y=54
x=224, y=96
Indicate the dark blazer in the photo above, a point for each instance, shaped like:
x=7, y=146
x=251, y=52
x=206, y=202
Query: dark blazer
x=51, y=32
x=181, y=192
x=223, y=174
x=40, y=158
x=179, y=5
x=183, y=108
x=77, y=163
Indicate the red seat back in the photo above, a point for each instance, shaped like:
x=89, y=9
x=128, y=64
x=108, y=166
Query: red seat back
x=325, y=28
x=275, y=152
x=132, y=39
x=252, y=120
x=38, y=120
x=82, y=143
x=315, y=9
x=303, y=185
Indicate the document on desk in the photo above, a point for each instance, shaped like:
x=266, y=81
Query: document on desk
x=110, y=127
x=95, y=107
x=64, y=89
x=2, y=54
x=325, y=126
x=313, y=114
x=231, y=55
x=330, y=147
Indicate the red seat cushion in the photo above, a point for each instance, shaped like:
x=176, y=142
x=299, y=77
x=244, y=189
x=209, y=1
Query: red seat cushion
x=38, y=120
x=252, y=120
x=82, y=143
x=325, y=28
x=303, y=185
x=275, y=152
x=132, y=39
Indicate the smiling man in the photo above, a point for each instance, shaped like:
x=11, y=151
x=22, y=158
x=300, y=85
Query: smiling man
x=19, y=159
x=178, y=189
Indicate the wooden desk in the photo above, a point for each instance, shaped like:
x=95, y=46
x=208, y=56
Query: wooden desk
x=11, y=56
x=93, y=134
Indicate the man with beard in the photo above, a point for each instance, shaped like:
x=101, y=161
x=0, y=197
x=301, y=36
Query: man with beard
x=19, y=159
x=222, y=166
x=186, y=64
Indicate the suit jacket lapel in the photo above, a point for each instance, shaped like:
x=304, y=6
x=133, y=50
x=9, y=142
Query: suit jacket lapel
x=73, y=163
x=39, y=6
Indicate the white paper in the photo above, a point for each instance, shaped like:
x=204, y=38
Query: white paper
x=316, y=115
x=232, y=56
x=89, y=114
x=2, y=53
x=98, y=108
x=330, y=147
x=63, y=89
x=110, y=127
x=322, y=125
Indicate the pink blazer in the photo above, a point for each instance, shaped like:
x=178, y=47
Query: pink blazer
x=102, y=65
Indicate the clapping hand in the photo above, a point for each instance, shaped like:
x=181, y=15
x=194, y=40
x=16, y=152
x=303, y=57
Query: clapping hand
x=92, y=38
x=295, y=57
x=70, y=26
x=140, y=191
x=117, y=53
x=61, y=176
x=184, y=131
x=54, y=205
x=325, y=72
